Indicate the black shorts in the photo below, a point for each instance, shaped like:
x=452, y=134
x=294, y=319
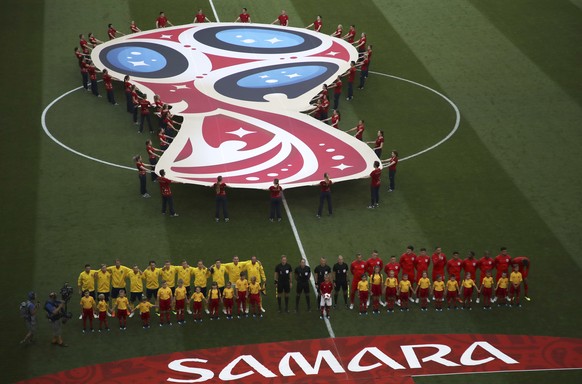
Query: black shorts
x=203, y=290
x=285, y=287
x=302, y=287
x=188, y=291
x=341, y=285
x=133, y=296
x=106, y=294
x=152, y=293
x=115, y=292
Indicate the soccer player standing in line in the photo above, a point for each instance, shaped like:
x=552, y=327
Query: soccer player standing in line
x=201, y=275
x=376, y=280
x=242, y=287
x=152, y=276
x=119, y=274
x=421, y=264
x=88, y=308
x=283, y=283
x=168, y=274
x=324, y=195
x=167, y=198
x=136, y=278
x=244, y=17
x=220, y=192
x=340, y=280
x=486, y=289
x=515, y=288
x=180, y=294
x=452, y=291
x=358, y=269
x=454, y=266
x=485, y=264
x=325, y=304
x=470, y=265
x=218, y=274
x=378, y=144
x=439, y=261
x=393, y=266
x=407, y=261
x=404, y=288
x=164, y=301
x=375, y=185
x=235, y=268
x=103, y=277
x=363, y=290
x=275, y=191
x=502, y=262
x=282, y=19
x=438, y=288
x=392, y=163
x=523, y=263
x=86, y=281
x=302, y=275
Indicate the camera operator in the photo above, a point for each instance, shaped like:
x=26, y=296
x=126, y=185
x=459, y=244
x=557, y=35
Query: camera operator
x=56, y=314
x=28, y=311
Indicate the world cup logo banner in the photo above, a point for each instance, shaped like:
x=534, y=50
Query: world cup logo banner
x=240, y=90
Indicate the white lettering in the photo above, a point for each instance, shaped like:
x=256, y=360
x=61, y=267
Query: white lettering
x=226, y=373
x=330, y=359
x=177, y=366
x=437, y=357
x=467, y=357
x=355, y=365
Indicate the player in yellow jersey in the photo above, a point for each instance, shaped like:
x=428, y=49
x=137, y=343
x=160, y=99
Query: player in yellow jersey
x=228, y=299
x=214, y=297
x=468, y=288
x=501, y=289
x=452, y=291
x=218, y=274
x=255, y=269
x=242, y=288
x=136, y=278
x=404, y=288
x=152, y=278
x=180, y=295
x=391, y=284
x=165, y=297
x=255, y=296
x=123, y=309
x=376, y=280
x=86, y=282
x=197, y=298
x=119, y=274
x=88, y=308
x=235, y=268
x=103, y=277
x=168, y=274
x=438, y=290
x=363, y=290
x=103, y=308
x=515, y=278
x=144, y=308
x=486, y=289
x=422, y=291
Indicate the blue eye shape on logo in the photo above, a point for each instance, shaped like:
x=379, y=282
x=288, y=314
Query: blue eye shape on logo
x=145, y=60
x=281, y=77
x=260, y=38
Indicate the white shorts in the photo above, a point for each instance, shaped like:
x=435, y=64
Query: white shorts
x=325, y=302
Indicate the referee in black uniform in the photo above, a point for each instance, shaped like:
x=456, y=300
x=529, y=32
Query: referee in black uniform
x=302, y=275
x=340, y=280
x=319, y=273
x=283, y=272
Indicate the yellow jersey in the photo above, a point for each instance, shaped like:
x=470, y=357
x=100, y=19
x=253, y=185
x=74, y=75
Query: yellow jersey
x=87, y=302
x=468, y=283
x=452, y=285
x=228, y=293
x=144, y=306
x=169, y=275
x=254, y=288
x=185, y=274
x=363, y=286
x=103, y=281
x=102, y=306
x=424, y=282
x=135, y=281
x=118, y=275
x=515, y=278
x=86, y=280
x=242, y=285
x=405, y=286
x=197, y=297
x=122, y=303
x=201, y=277
x=180, y=293
x=391, y=282
x=213, y=294
x=257, y=271
x=438, y=286
x=503, y=282
x=164, y=293
x=488, y=282
x=233, y=270
x=219, y=275
x=152, y=278
x=377, y=279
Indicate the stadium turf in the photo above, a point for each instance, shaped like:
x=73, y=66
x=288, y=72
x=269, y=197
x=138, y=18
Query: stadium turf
x=506, y=178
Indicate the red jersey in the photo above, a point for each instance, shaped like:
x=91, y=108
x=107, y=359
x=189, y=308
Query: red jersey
x=375, y=175
x=372, y=263
x=439, y=260
x=338, y=32
x=84, y=67
x=200, y=18
x=421, y=263
x=454, y=267
x=133, y=28
x=111, y=32
x=369, y=54
x=144, y=106
x=150, y=151
x=108, y=81
x=219, y=189
x=325, y=185
x=317, y=25
x=485, y=264
x=92, y=72
x=127, y=86
x=379, y=141
x=470, y=266
x=407, y=261
x=502, y=263
x=165, y=186
x=93, y=41
x=335, y=119
x=351, y=35
x=244, y=17
x=140, y=167
x=352, y=74
x=338, y=87
x=325, y=105
x=283, y=20
x=364, y=66
x=360, y=131
x=326, y=287
x=392, y=267
x=275, y=191
x=362, y=44
x=134, y=97
x=393, y=166
x=163, y=139
x=358, y=268
x=84, y=46
x=161, y=21
x=519, y=260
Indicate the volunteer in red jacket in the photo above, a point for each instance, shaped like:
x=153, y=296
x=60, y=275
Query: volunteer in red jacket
x=220, y=191
x=392, y=162
x=375, y=185
x=325, y=195
x=167, y=198
x=276, y=198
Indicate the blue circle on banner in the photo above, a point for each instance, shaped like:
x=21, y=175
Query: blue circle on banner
x=137, y=59
x=259, y=38
x=282, y=76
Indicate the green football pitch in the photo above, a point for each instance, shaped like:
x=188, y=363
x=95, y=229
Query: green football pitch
x=506, y=177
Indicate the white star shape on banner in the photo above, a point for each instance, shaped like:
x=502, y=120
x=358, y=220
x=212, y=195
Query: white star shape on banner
x=342, y=166
x=166, y=37
x=181, y=87
x=332, y=53
x=139, y=63
x=293, y=75
x=274, y=40
x=264, y=76
x=241, y=132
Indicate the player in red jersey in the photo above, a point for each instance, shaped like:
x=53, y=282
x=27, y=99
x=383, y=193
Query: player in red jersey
x=421, y=263
x=144, y=107
x=133, y=28
x=201, y=17
x=485, y=264
x=317, y=24
x=167, y=198
x=142, y=169
x=439, y=261
x=244, y=17
x=363, y=70
x=454, y=266
x=393, y=265
x=153, y=156
x=338, y=31
x=351, y=73
x=378, y=144
x=502, y=262
x=357, y=268
x=523, y=267
x=373, y=262
x=351, y=35
x=83, y=44
x=275, y=190
x=375, y=176
x=407, y=261
x=391, y=163
x=325, y=289
x=112, y=32
x=220, y=192
x=282, y=19
x=359, y=130
x=108, y=82
x=325, y=195
x=470, y=265
x=162, y=21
